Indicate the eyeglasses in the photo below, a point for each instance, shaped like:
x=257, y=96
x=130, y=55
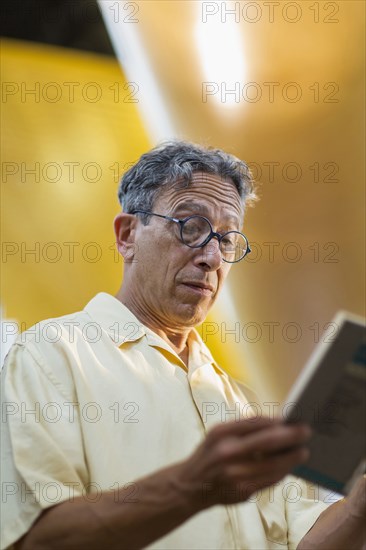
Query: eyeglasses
x=196, y=232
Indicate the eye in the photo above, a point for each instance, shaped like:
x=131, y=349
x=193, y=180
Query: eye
x=195, y=230
x=192, y=226
x=229, y=241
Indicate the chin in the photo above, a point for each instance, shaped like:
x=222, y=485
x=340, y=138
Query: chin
x=192, y=315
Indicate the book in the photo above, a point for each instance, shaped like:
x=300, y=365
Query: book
x=330, y=396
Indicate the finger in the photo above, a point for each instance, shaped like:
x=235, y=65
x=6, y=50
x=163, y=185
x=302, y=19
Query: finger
x=242, y=427
x=268, y=441
x=241, y=483
x=279, y=439
x=277, y=465
x=356, y=500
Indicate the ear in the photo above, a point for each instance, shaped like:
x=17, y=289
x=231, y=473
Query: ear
x=125, y=231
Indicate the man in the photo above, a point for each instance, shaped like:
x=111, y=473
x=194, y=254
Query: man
x=112, y=437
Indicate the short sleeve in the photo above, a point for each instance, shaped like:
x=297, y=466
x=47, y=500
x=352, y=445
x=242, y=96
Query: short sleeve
x=303, y=505
x=42, y=455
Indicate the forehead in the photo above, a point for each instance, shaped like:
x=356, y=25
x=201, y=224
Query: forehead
x=205, y=194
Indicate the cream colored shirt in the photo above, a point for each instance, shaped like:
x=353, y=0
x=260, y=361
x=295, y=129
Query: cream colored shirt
x=93, y=401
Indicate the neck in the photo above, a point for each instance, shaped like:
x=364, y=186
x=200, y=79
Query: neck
x=176, y=337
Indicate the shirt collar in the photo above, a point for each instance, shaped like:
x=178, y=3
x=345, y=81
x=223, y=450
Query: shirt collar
x=122, y=326
x=115, y=318
x=199, y=349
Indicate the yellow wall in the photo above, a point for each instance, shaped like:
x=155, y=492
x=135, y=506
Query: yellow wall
x=55, y=206
x=64, y=149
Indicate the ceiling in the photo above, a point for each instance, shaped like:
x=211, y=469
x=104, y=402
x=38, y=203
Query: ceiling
x=75, y=24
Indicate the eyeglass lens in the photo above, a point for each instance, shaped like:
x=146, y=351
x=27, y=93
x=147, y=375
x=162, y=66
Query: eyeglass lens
x=233, y=245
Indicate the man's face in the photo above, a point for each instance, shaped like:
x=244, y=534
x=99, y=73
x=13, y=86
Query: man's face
x=173, y=284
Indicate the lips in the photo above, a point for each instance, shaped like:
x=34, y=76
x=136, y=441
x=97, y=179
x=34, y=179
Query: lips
x=199, y=287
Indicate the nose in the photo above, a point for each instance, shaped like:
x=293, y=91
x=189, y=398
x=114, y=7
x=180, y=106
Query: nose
x=209, y=256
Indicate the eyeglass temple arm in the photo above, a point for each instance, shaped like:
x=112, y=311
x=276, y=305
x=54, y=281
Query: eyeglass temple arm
x=153, y=214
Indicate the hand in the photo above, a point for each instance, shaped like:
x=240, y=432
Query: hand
x=239, y=458
x=342, y=525
x=356, y=500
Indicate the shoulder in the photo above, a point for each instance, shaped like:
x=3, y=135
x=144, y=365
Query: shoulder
x=45, y=353
x=53, y=330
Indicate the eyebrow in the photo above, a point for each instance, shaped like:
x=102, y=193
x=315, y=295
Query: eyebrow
x=194, y=207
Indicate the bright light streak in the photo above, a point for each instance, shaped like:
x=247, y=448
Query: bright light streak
x=221, y=51
x=137, y=68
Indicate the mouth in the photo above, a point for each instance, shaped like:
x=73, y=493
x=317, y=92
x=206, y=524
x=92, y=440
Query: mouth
x=199, y=288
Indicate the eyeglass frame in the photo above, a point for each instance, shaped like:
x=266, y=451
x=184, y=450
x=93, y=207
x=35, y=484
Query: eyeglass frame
x=212, y=234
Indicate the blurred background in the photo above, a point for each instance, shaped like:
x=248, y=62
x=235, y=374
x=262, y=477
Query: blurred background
x=87, y=87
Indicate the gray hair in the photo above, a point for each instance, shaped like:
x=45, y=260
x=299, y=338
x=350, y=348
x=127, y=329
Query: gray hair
x=176, y=161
